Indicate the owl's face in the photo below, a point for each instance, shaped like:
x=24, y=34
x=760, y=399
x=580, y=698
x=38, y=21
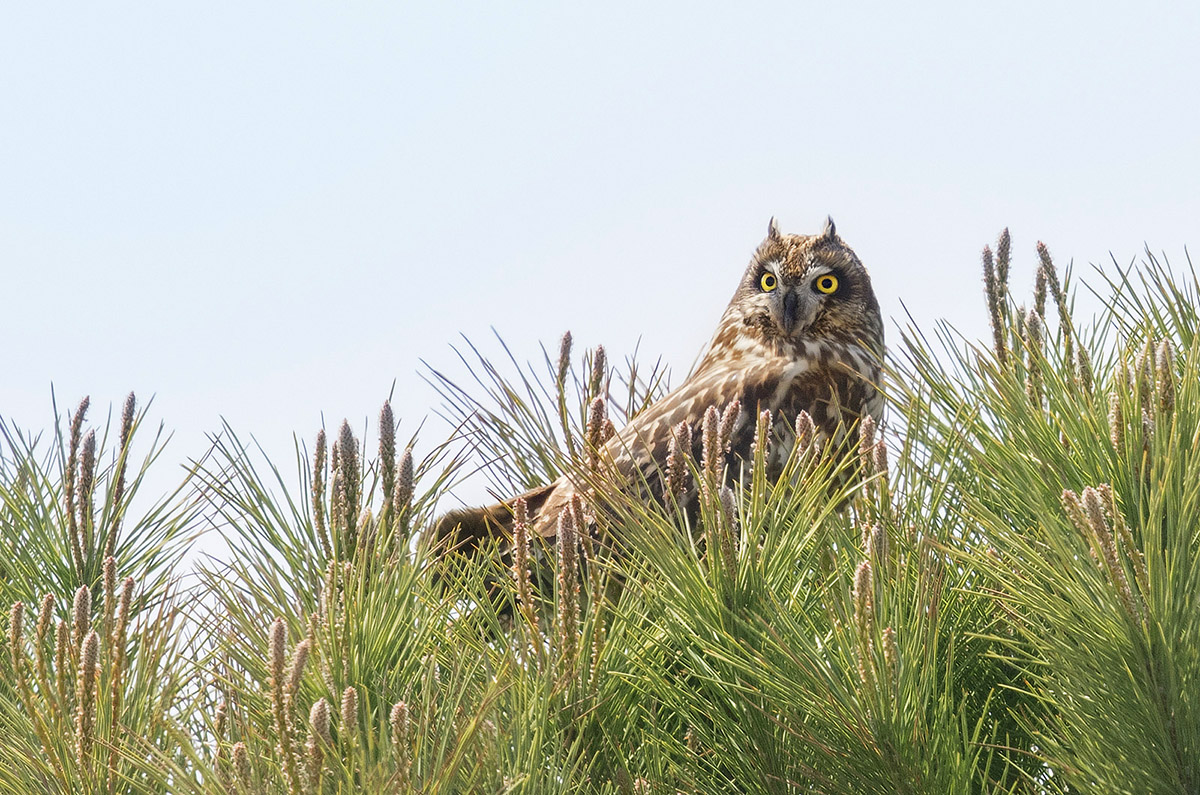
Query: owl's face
x=806, y=288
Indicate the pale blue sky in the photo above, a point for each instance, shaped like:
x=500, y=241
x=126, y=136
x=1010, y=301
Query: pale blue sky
x=269, y=213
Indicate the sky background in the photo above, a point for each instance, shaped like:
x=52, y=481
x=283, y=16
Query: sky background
x=270, y=214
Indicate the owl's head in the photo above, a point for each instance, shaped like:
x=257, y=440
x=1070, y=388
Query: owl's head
x=805, y=288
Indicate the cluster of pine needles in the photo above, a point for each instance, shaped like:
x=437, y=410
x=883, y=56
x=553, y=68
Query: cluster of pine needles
x=997, y=590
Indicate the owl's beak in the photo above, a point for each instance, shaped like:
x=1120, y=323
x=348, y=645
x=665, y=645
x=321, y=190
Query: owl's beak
x=789, y=311
x=799, y=310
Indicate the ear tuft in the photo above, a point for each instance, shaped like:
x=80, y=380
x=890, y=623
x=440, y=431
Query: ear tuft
x=773, y=229
x=830, y=231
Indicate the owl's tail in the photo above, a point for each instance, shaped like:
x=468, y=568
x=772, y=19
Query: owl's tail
x=465, y=530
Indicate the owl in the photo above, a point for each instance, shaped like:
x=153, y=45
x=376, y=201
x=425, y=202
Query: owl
x=802, y=332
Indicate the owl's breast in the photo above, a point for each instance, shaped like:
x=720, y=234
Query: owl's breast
x=836, y=383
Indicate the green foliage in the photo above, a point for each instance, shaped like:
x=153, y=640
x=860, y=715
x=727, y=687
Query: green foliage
x=95, y=665
x=1101, y=606
x=998, y=591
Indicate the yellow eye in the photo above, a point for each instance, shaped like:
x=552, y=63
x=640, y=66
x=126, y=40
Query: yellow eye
x=768, y=282
x=827, y=284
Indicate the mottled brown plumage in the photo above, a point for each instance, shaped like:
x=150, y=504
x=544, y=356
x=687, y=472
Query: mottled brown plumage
x=791, y=340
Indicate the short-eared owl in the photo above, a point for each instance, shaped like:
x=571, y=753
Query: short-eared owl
x=802, y=333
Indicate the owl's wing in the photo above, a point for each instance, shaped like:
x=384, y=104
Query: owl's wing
x=465, y=529
x=643, y=443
